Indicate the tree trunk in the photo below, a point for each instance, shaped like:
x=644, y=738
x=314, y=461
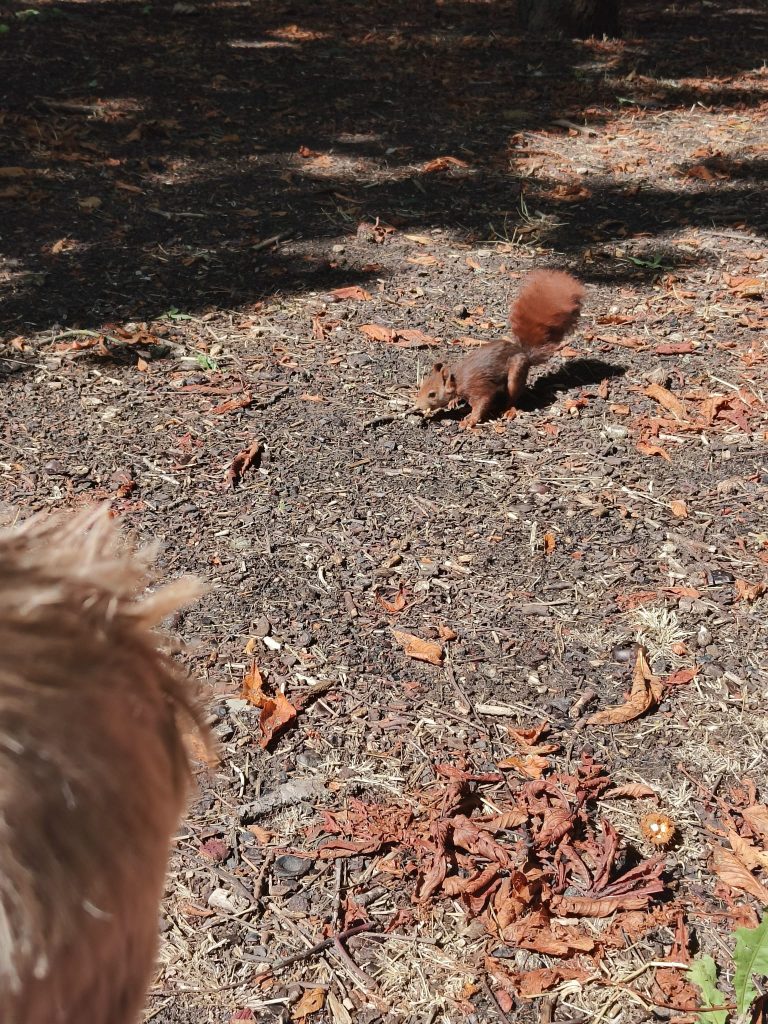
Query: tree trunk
x=575, y=18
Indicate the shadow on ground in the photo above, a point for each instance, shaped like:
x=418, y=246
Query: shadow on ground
x=154, y=150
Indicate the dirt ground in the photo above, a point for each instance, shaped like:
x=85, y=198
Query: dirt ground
x=201, y=205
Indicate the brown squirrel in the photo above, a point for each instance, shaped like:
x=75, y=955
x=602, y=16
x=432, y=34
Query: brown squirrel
x=545, y=311
x=94, y=771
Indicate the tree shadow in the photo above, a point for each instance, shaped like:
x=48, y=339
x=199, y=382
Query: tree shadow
x=159, y=159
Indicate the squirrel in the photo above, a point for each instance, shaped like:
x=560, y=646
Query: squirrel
x=545, y=311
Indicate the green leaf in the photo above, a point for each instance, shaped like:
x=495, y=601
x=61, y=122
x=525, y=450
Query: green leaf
x=750, y=957
x=703, y=974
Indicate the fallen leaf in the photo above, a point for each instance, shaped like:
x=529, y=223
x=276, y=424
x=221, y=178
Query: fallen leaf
x=446, y=633
x=392, y=607
x=748, y=592
x=749, y=855
x=442, y=163
x=676, y=348
x=276, y=713
x=632, y=791
x=89, y=203
x=377, y=332
x=652, y=449
x=419, y=239
x=312, y=1001
x=667, y=399
x=352, y=291
x=421, y=650
x=532, y=765
x=142, y=365
x=215, y=849
x=244, y=460
x=756, y=816
x=13, y=172
x=427, y=260
x=411, y=337
x=242, y=402
x=536, y=932
x=732, y=873
x=253, y=686
x=682, y=677
x=645, y=692
x=679, y=508
x=549, y=543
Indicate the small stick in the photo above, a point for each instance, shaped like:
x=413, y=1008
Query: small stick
x=319, y=947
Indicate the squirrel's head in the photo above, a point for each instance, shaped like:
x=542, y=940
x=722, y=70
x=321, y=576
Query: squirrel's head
x=437, y=390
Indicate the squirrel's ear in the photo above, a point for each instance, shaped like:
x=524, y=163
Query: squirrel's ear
x=452, y=380
x=437, y=367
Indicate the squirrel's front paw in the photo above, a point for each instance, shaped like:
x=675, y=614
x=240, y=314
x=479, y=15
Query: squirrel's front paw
x=468, y=423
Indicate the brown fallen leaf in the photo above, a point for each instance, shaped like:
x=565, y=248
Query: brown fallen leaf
x=532, y=766
x=89, y=203
x=679, y=508
x=312, y=1001
x=413, y=338
x=376, y=332
x=242, y=402
x=756, y=816
x=276, y=713
x=442, y=163
x=652, y=449
x=674, y=348
x=13, y=172
x=352, y=291
x=446, y=633
x=645, y=692
x=243, y=461
x=253, y=686
x=549, y=543
x=749, y=855
x=536, y=932
x=681, y=677
x=748, y=592
x=421, y=650
x=732, y=873
x=392, y=607
x=632, y=791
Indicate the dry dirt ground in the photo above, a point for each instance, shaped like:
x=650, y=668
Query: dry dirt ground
x=184, y=189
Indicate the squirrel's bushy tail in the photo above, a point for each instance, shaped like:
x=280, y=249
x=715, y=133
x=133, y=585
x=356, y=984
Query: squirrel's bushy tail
x=545, y=311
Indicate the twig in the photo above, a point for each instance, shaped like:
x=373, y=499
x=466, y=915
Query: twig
x=494, y=1002
x=319, y=947
x=563, y=122
x=352, y=967
x=266, y=242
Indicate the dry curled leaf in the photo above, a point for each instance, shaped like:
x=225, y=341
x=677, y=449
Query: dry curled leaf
x=756, y=816
x=645, y=692
x=276, y=713
x=667, y=400
x=732, y=872
x=532, y=765
x=442, y=163
x=748, y=592
x=678, y=508
x=749, y=855
x=352, y=291
x=421, y=650
x=632, y=791
x=376, y=332
x=242, y=402
x=392, y=607
x=242, y=461
x=312, y=1001
x=653, y=449
x=253, y=686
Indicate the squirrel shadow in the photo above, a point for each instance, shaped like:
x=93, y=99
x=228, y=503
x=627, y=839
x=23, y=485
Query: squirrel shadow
x=576, y=373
